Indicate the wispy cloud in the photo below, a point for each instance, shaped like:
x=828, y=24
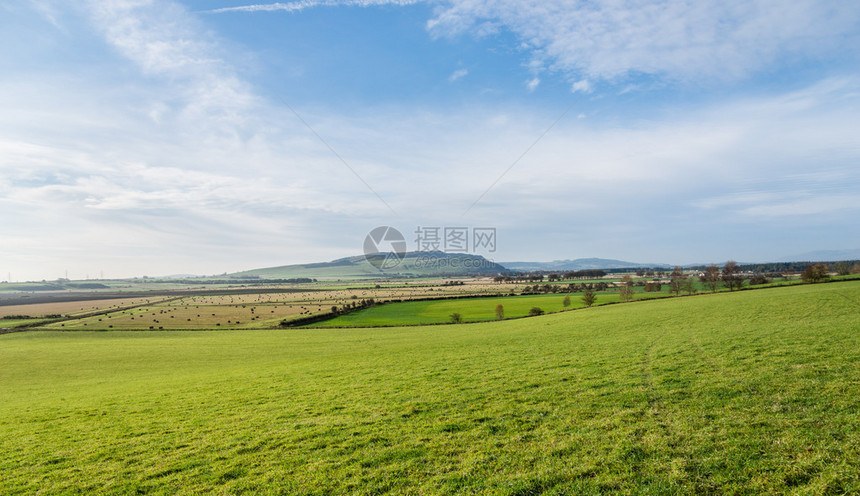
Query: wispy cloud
x=583, y=86
x=307, y=4
x=680, y=40
x=804, y=207
x=589, y=41
x=459, y=73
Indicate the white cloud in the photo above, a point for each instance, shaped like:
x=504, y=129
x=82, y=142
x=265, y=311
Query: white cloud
x=280, y=197
x=582, y=85
x=703, y=40
x=805, y=207
x=532, y=84
x=164, y=41
x=187, y=155
x=48, y=12
x=306, y=4
x=675, y=39
x=459, y=73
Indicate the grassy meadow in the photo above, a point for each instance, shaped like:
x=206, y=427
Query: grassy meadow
x=745, y=393
x=471, y=309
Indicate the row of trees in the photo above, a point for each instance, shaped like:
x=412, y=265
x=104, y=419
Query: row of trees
x=845, y=268
x=553, y=277
x=570, y=288
x=842, y=268
x=355, y=305
x=731, y=277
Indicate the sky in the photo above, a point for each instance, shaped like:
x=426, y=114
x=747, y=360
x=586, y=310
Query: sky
x=157, y=137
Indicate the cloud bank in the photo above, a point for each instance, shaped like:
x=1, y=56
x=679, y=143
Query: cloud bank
x=157, y=156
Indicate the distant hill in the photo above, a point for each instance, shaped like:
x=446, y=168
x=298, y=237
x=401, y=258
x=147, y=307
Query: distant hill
x=577, y=264
x=431, y=264
x=822, y=256
x=414, y=264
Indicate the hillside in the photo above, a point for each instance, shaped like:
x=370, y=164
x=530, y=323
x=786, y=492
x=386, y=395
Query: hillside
x=414, y=264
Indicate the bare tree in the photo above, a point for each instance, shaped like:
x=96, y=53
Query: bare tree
x=711, y=278
x=732, y=276
x=677, y=279
x=842, y=268
x=566, y=301
x=500, y=312
x=626, y=289
x=687, y=285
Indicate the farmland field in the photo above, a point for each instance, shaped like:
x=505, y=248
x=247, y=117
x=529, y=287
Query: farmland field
x=748, y=392
x=471, y=309
x=238, y=308
x=72, y=307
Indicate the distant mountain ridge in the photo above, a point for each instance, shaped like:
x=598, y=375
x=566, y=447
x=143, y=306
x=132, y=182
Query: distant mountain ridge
x=577, y=264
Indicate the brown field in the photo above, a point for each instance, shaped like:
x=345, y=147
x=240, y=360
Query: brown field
x=264, y=310
x=73, y=307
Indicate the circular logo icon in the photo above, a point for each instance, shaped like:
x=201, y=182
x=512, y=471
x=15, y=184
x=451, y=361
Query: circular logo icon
x=384, y=247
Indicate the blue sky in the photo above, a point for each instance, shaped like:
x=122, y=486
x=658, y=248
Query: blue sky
x=160, y=137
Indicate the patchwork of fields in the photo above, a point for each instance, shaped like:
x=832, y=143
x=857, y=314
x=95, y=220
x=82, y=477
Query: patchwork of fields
x=236, y=308
x=750, y=392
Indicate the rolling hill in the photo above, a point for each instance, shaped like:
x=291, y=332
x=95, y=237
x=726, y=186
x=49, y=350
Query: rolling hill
x=414, y=264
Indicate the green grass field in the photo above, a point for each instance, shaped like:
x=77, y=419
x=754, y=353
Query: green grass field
x=744, y=393
x=10, y=323
x=471, y=309
x=435, y=312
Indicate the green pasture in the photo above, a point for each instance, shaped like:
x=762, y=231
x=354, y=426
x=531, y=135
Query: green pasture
x=754, y=392
x=471, y=309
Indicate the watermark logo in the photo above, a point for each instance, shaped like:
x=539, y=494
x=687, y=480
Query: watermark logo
x=456, y=239
x=436, y=247
x=384, y=247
